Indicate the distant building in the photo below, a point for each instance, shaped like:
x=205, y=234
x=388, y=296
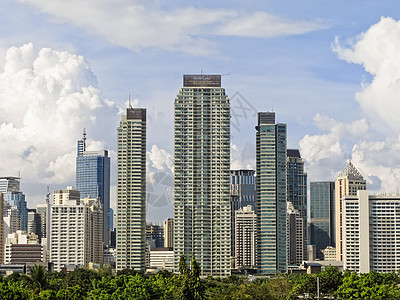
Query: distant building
x=34, y=223
x=348, y=183
x=162, y=259
x=271, y=194
x=311, y=252
x=44, y=213
x=329, y=253
x=95, y=229
x=295, y=236
x=155, y=233
x=322, y=215
x=12, y=219
x=22, y=247
x=93, y=180
x=1, y=228
x=245, y=237
x=370, y=232
x=169, y=233
x=297, y=195
x=131, y=190
x=243, y=193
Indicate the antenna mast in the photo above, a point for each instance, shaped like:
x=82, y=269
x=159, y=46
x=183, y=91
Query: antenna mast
x=48, y=196
x=84, y=139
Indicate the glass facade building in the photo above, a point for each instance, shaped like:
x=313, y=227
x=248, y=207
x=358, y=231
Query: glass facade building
x=322, y=215
x=271, y=147
x=202, y=208
x=93, y=180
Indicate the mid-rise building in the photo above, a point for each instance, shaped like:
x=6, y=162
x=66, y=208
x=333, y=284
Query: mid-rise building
x=162, y=259
x=22, y=248
x=169, y=233
x=1, y=228
x=93, y=180
x=245, y=237
x=43, y=211
x=297, y=195
x=271, y=194
x=155, y=235
x=329, y=253
x=371, y=226
x=296, y=251
x=322, y=215
x=202, y=213
x=12, y=219
x=131, y=190
x=34, y=223
x=348, y=183
x=95, y=229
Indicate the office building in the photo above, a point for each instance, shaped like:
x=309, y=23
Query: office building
x=22, y=247
x=202, y=215
x=69, y=230
x=34, y=223
x=11, y=219
x=93, y=180
x=297, y=252
x=131, y=190
x=348, y=183
x=245, y=237
x=271, y=198
x=297, y=195
x=243, y=193
x=322, y=215
x=371, y=232
x=155, y=235
x=43, y=211
x=169, y=233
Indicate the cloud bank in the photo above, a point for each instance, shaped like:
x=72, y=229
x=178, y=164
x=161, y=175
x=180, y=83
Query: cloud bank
x=141, y=24
x=374, y=141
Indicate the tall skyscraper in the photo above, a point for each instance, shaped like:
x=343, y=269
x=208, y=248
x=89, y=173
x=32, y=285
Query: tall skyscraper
x=271, y=149
x=93, y=180
x=131, y=190
x=371, y=233
x=348, y=183
x=10, y=187
x=297, y=195
x=322, y=215
x=202, y=217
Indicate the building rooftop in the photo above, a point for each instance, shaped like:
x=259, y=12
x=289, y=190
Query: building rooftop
x=351, y=172
x=201, y=80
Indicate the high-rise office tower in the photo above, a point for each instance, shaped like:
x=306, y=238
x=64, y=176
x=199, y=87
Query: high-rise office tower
x=371, y=233
x=243, y=193
x=348, y=183
x=245, y=237
x=295, y=236
x=202, y=220
x=297, y=195
x=93, y=179
x=131, y=190
x=34, y=223
x=169, y=233
x=10, y=187
x=271, y=181
x=322, y=215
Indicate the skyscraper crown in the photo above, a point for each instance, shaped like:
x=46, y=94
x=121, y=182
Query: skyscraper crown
x=351, y=172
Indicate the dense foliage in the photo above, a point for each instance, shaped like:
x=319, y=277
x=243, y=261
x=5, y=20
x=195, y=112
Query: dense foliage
x=128, y=284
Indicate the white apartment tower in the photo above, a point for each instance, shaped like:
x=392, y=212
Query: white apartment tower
x=348, y=183
x=245, y=237
x=131, y=190
x=371, y=226
x=202, y=174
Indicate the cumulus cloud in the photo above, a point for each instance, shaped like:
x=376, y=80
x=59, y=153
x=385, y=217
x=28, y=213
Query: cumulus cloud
x=372, y=145
x=243, y=157
x=139, y=24
x=47, y=97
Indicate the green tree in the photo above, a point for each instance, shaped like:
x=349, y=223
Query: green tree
x=191, y=286
x=13, y=290
x=81, y=277
x=37, y=280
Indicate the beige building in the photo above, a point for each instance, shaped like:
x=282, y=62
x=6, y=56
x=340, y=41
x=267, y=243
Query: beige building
x=245, y=237
x=162, y=259
x=371, y=226
x=169, y=233
x=348, y=183
x=329, y=253
x=96, y=229
x=22, y=247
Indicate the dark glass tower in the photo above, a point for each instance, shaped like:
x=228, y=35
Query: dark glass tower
x=93, y=180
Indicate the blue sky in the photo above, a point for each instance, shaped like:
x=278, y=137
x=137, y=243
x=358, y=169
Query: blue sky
x=310, y=61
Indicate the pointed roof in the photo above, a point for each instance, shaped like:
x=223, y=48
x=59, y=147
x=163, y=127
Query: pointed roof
x=351, y=172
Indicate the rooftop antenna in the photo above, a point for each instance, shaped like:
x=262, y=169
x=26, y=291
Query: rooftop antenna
x=130, y=106
x=84, y=139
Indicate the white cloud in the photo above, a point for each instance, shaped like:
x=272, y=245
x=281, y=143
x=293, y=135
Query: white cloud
x=140, y=24
x=47, y=97
x=374, y=144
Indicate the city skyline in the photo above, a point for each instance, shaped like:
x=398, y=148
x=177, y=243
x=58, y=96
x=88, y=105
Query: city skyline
x=334, y=97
